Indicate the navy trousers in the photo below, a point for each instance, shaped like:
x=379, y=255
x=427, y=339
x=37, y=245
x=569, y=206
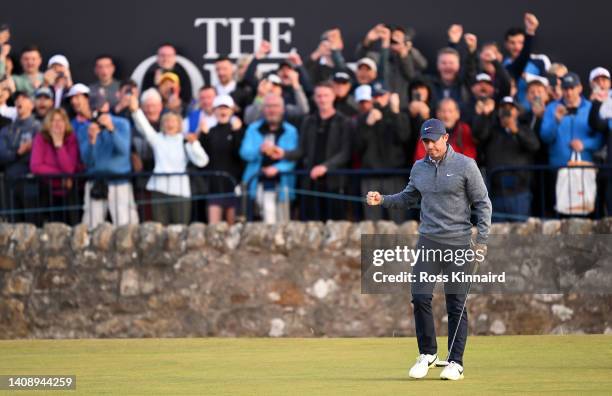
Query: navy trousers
x=455, y=293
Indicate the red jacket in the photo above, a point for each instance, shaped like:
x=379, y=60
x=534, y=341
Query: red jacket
x=460, y=140
x=47, y=160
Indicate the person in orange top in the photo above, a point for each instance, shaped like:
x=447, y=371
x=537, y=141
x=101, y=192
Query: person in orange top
x=460, y=133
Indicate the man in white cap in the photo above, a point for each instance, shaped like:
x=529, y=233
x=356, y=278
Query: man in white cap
x=363, y=97
x=367, y=71
x=599, y=80
x=600, y=118
x=58, y=77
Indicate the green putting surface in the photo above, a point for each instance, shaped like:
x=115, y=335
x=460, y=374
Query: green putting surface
x=572, y=364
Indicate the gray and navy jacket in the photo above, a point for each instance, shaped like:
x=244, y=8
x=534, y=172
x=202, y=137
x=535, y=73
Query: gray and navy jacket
x=446, y=190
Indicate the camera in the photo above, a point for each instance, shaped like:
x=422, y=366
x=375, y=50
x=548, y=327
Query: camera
x=417, y=96
x=505, y=112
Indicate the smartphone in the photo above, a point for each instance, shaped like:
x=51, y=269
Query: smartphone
x=417, y=96
x=538, y=101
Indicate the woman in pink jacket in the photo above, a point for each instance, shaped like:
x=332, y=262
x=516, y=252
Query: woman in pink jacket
x=55, y=151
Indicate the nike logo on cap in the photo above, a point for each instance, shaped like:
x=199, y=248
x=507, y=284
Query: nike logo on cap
x=426, y=128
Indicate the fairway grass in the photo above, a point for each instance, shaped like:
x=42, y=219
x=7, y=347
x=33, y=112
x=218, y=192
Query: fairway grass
x=572, y=364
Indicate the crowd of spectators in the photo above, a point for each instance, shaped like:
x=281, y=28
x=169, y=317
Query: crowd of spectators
x=502, y=104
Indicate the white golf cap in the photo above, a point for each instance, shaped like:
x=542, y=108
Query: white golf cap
x=363, y=92
x=598, y=72
x=59, y=60
x=223, y=100
x=483, y=77
x=274, y=79
x=78, y=89
x=369, y=62
x=532, y=78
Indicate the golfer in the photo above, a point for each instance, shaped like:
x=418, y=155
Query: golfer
x=447, y=184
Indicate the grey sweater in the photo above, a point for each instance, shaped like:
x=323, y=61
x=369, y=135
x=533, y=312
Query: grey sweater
x=446, y=191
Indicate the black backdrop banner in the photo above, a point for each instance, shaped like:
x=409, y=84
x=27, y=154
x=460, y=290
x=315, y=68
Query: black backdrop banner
x=576, y=33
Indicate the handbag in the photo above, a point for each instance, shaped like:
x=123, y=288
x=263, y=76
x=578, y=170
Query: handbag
x=576, y=188
x=99, y=189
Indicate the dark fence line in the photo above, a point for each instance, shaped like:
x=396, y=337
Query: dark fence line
x=339, y=195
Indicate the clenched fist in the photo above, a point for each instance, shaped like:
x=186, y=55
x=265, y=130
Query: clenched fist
x=374, y=198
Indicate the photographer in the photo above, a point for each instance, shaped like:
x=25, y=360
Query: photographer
x=382, y=135
x=169, y=86
x=104, y=145
x=327, y=58
x=58, y=78
x=399, y=61
x=506, y=142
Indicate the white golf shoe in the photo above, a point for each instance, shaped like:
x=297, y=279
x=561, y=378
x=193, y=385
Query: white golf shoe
x=453, y=372
x=422, y=365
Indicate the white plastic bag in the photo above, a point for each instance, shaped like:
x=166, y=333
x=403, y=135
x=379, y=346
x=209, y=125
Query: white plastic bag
x=576, y=188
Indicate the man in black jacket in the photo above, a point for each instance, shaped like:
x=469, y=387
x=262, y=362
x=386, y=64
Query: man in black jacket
x=324, y=145
x=383, y=135
x=507, y=143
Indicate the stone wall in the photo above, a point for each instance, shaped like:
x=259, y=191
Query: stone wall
x=298, y=280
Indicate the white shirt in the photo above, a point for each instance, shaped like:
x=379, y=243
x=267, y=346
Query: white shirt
x=226, y=89
x=171, y=155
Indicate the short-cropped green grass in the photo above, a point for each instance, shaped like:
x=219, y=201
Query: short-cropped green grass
x=571, y=364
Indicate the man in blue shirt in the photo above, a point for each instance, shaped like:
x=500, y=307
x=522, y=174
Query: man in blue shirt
x=104, y=145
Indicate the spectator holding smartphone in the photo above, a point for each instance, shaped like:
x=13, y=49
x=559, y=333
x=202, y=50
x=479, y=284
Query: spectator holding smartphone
x=58, y=78
x=506, y=142
x=104, y=146
x=169, y=86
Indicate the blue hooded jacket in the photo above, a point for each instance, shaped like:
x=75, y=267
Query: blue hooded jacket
x=558, y=135
x=111, y=153
x=251, y=153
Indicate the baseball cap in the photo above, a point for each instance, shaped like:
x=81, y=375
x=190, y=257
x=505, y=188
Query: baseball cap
x=78, y=89
x=483, y=77
x=379, y=89
x=598, y=72
x=570, y=80
x=369, y=62
x=22, y=94
x=535, y=79
x=432, y=129
x=59, y=60
x=274, y=79
x=363, y=92
x=285, y=63
x=169, y=76
x=223, y=100
x=508, y=100
x=43, y=91
x=342, y=77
